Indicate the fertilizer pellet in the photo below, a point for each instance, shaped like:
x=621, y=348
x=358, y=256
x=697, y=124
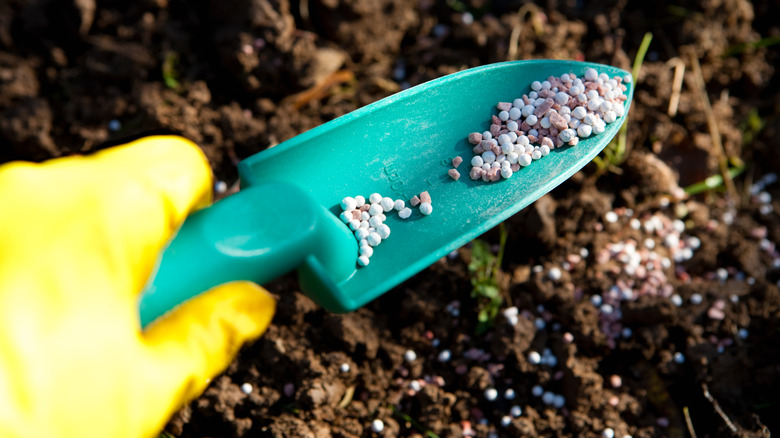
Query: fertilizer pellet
x=375, y=221
x=426, y=208
x=348, y=203
x=373, y=239
x=405, y=213
x=361, y=233
x=363, y=260
x=246, y=388
x=377, y=426
x=383, y=230
x=491, y=394
x=387, y=204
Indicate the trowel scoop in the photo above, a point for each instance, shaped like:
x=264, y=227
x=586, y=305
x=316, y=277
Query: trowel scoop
x=286, y=215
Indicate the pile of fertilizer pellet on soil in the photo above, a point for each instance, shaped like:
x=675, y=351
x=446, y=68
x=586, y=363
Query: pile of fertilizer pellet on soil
x=558, y=111
x=366, y=218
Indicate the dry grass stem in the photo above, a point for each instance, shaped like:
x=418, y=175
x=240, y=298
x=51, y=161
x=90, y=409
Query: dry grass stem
x=720, y=412
x=529, y=9
x=688, y=422
x=679, y=74
x=713, y=128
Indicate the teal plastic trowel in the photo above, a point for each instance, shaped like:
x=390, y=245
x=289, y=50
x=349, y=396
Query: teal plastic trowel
x=285, y=217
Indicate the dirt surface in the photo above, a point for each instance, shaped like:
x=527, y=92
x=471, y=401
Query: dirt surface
x=659, y=309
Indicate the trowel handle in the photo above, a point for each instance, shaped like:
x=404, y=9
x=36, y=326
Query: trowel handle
x=257, y=234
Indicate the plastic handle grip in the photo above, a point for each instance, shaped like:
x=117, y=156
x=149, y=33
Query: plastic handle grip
x=258, y=234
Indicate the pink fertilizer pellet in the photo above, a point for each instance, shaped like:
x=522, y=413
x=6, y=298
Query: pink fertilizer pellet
x=557, y=112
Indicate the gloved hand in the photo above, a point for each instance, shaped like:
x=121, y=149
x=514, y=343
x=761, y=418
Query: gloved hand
x=78, y=238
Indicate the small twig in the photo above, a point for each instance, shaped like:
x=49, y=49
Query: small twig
x=689, y=422
x=713, y=128
x=679, y=74
x=720, y=412
x=321, y=89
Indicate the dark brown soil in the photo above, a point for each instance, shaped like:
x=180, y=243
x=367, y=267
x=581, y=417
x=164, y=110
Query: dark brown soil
x=239, y=77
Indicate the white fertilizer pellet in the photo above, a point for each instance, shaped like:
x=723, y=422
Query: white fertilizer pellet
x=377, y=426
x=375, y=198
x=558, y=111
x=387, y=204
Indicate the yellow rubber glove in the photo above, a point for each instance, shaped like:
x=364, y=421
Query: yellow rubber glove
x=78, y=238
